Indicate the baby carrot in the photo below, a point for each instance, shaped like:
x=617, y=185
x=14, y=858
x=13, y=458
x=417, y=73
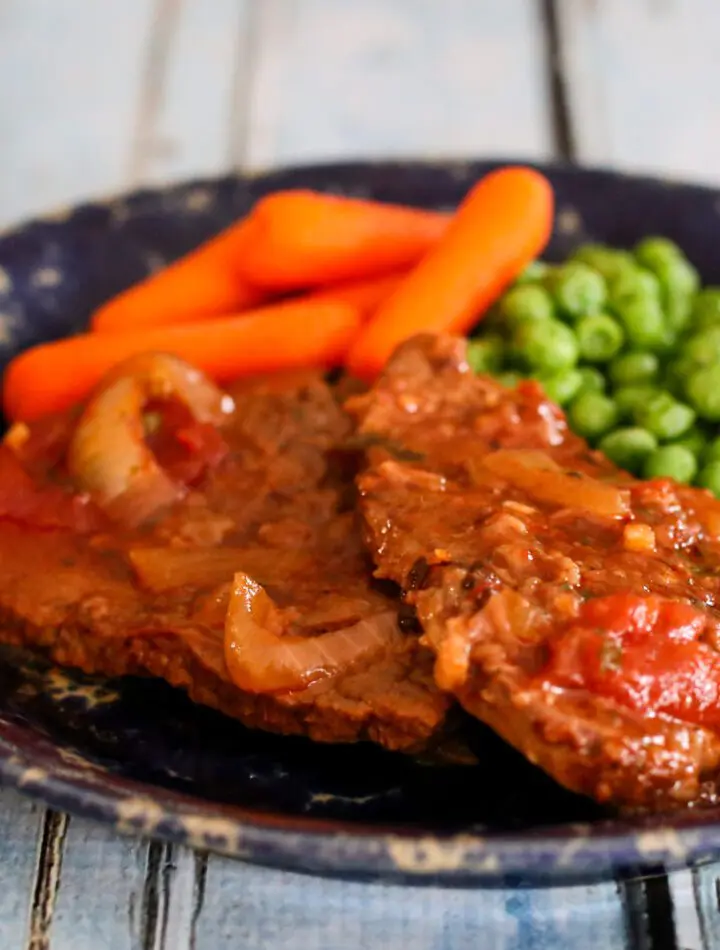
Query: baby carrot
x=502, y=224
x=292, y=335
x=203, y=283
x=365, y=295
x=304, y=238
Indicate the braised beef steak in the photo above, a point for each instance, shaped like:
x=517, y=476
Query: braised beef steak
x=570, y=607
x=99, y=595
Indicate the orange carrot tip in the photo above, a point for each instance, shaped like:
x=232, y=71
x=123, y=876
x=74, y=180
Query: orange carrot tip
x=503, y=223
x=203, y=283
x=304, y=239
x=292, y=335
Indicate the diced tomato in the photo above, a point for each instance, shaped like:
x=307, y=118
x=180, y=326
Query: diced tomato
x=25, y=500
x=643, y=653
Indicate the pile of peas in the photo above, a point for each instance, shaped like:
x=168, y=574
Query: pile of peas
x=629, y=344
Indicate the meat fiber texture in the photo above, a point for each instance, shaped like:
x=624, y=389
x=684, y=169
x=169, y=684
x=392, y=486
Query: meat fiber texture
x=282, y=498
x=498, y=565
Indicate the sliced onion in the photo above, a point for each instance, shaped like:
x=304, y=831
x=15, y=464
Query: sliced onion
x=162, y=569
x=540, y=476
x=108, y=456
x=261, y=658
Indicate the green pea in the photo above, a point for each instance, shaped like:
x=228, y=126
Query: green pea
x=534, y=273
x=546, y=346
x=706, y=309
x=678, y=310
x=712, y=451
x=671, y=461
x=677, y=374
x=561, y=387
x=703, y=347
x=528, y=302
x=486, y=354
x=677, y=274
x=633, y=284
x=703, y=392
x=510, y=380
x=599, y=338
x=644, y=323
x=652, y=252
x=709, y=477
x=592, y=415
x=680, y=282
x=664, y=416
x=634, y=369
x=592, y=380
x=628, y=447
x=578, y=290
x=607, y=261
x=628, y=398
x=693, y=440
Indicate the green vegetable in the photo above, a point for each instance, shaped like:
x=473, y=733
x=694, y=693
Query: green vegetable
x=599, y=338
x=592, y=415
x=712, y=451
x=652, y=252
x=509, y=379
x=592, y=380
x=693, y=440
x=702, y=347
x=535, y=272
x=563, y=386
x=706, y=309
x=679, y=281
x=634, y=369
x=677, y=375
x=546, y=346
x=644, y=323
x=629, y=447
x=528, y=302
x=671, y=461
x=703, y=392
x=578, y=290
x=664, y=416
x=634, y=284
x=709, y=477
x=486, y=354
x=628, y=398
x=607, y=261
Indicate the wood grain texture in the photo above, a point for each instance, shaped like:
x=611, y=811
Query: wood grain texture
x=337, y=78
x=256, y=907
x=99, y=902
x=642, y=80
x=199, y=90
x=74, y=69
x=20, y=827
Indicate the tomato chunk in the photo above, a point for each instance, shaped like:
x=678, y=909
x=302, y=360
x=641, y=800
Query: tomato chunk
x=644, y=653
x=25, y=500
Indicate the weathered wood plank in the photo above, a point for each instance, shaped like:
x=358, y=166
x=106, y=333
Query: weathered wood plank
x=20, y=828
x=67, y=127
x=102, y=890
x=337, y=79
x=189, y=129
x=246, y=906
x=642, y=80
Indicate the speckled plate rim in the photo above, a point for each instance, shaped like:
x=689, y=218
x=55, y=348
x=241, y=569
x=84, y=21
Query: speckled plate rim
x=555, y=854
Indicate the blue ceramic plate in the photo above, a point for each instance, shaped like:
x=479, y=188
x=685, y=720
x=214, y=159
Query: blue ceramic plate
x=140, y=756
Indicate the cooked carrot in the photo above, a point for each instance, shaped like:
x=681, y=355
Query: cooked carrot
x=303, y=238
x=203, y=283
x=365, y=295
x=503, y=223
x=54, y=376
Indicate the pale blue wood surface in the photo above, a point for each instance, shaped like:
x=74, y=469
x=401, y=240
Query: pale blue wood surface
x=101, y=95
x=643, y=80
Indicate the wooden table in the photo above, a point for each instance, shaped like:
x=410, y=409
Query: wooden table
x=103, y=95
